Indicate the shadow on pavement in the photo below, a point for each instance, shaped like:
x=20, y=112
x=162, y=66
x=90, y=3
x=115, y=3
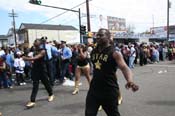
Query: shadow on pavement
x=72, y=108
x=21, y=88
x=12, y=103
x=161, y=103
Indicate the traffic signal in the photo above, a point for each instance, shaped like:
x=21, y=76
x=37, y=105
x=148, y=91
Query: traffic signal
x=38, y=2
x=83, y=29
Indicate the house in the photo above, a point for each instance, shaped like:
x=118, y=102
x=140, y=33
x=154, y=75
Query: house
x=3, y=40
x=29, y=32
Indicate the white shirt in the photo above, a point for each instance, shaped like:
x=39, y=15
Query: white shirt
x=133, y=52
x=19, y=64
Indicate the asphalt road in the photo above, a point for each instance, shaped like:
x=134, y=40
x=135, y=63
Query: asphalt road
x=156, y=96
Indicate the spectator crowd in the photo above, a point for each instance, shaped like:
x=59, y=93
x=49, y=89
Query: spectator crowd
x=62, y=60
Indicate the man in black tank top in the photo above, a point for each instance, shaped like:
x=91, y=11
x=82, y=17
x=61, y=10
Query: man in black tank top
x=104, y=89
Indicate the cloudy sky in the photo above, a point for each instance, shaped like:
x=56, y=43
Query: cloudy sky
x=141, y=14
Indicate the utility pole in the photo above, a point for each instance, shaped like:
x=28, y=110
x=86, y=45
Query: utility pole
x=13, y=15
x=153, y=21
x=88, y=16
x=168, y=6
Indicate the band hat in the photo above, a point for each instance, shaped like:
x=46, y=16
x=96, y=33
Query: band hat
x=44, y=38
x=63, y=42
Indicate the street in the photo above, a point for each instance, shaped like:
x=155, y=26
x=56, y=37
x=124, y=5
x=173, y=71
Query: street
x=155, y=97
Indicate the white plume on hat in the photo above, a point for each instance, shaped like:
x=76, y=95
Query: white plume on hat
x=19, y=53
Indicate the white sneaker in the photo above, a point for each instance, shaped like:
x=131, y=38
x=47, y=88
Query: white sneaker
x=24, y=83
x=11, y=87
x=51, y=98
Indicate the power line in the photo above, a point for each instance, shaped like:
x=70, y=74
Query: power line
x=62, y=13
x=67, y=19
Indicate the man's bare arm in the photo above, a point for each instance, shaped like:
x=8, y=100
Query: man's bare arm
x=125, y=70
x=40, y=55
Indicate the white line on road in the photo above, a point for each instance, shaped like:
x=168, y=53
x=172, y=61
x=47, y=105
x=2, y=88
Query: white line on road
x=169, y=66
x=160, y=72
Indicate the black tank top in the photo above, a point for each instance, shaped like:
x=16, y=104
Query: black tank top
x=104, y=81
x=39, y=63
x=82, y=61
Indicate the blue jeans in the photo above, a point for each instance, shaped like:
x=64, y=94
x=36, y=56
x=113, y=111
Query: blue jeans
x=3, y=80
x=64, y=70
x=131, y=61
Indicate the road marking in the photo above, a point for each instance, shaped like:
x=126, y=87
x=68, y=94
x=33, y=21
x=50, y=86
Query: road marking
x=161, y=66
x=160, y=72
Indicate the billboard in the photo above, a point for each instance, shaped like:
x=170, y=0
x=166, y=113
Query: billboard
x=116, y=24
x=162, y=30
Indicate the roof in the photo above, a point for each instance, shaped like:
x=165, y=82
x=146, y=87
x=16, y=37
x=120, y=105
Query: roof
x=46, y=26
x=3, y=37
x=10, y=31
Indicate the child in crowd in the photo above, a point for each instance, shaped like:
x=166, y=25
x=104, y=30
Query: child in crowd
x=19, y=65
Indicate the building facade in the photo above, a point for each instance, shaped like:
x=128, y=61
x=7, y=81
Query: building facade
x=29, y=32
x=3, y=41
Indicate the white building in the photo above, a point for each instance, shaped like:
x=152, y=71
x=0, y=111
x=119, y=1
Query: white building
x=29, y=32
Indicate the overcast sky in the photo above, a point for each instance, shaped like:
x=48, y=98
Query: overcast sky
x=142, y=14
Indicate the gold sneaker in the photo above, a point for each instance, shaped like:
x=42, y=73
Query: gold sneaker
x=30, y=104
x=120, y=100
x=100, y=108
x=51, y=98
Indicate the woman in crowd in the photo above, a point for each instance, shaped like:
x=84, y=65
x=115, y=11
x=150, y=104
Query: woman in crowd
x=82, y=67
